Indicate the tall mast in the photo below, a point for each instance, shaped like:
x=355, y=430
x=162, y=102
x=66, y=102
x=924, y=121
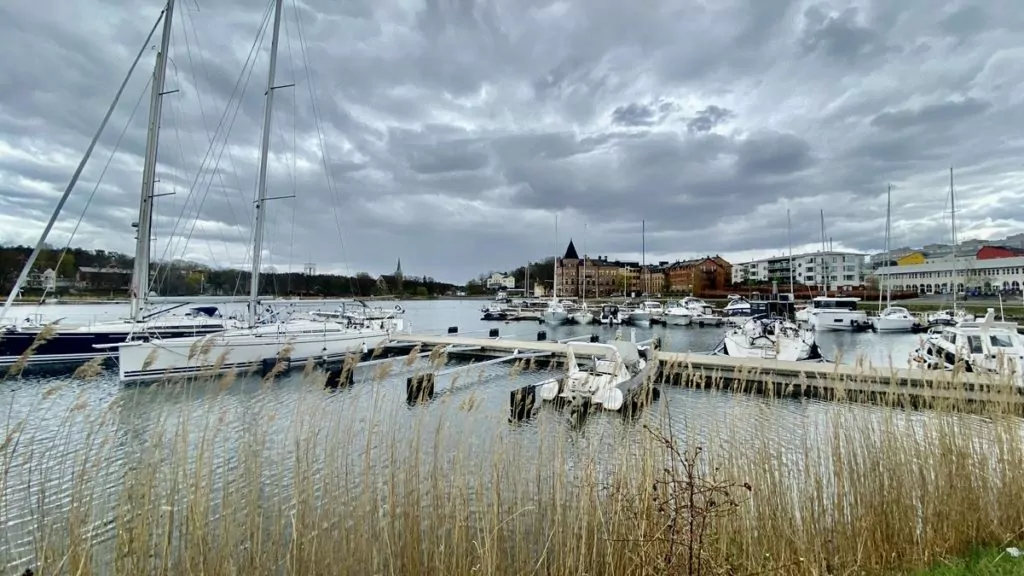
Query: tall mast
x=554, y=266
x=140, y=274
x=643, y=255
x=584, y=292
x=888, y=241
x=952, y=222
x=823, y=257
x=257, y=237
x=789, y=240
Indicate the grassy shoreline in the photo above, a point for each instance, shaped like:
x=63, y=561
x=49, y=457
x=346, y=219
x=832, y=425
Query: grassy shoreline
x=330, y=485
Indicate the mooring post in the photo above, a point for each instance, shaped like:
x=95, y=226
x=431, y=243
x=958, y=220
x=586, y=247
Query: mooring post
x=419, y=388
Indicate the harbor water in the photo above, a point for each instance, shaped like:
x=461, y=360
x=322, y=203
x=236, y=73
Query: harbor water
x=56, y=428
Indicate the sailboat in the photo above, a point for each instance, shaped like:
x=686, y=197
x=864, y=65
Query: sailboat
x=953, y=316
x=293, y=338
x=555, y=314
x=34, y=343
x=892, y=318
x=582, y=314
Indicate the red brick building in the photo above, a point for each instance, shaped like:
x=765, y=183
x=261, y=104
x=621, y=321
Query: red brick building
x=994, y=252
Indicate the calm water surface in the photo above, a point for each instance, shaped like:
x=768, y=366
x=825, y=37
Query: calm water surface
x=62, y=420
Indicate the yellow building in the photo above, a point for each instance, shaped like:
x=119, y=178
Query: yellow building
x=912, y=259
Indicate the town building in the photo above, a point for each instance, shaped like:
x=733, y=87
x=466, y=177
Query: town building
x=600, y=277
x=499, y=281
x=990, y=269
x=842, y=270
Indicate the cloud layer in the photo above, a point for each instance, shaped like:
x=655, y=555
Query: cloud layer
x=449, y=133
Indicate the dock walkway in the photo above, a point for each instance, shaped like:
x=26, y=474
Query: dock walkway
x=781, y=378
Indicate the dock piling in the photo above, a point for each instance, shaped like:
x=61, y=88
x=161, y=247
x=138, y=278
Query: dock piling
x=542, y=335
x=419, y=388
x=493, y=333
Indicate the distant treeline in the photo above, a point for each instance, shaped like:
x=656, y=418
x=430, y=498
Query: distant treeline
x=183, y=278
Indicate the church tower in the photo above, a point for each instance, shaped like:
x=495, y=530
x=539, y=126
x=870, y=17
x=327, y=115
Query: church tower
x=399, y=277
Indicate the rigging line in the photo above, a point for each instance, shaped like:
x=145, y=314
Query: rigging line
x=206, y=131
x=99, y=180
x=201, y=177
x=242, y=75
x=202, y=112
x=78, y=172
x=258, y=42
x=180, y=119
x=320, y=138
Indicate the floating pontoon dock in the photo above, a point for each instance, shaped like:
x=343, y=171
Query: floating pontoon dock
x=778, y=378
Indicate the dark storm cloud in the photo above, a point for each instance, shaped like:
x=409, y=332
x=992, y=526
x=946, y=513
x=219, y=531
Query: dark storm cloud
x=449, y=133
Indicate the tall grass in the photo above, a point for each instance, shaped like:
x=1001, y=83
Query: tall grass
x=325, y=484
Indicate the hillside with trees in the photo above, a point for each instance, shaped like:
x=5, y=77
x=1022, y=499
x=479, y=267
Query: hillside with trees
x=101, y=273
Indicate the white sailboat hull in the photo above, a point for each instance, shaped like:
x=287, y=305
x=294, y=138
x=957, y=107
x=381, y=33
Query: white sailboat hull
x=244, y=350
x=555, y=317
x=583, y=318
x=788, y=349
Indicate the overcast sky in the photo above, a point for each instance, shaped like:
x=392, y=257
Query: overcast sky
x=456, y=130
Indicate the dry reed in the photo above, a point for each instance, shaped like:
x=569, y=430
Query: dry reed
x=708, y=482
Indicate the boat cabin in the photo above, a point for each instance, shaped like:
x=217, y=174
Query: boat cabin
x=837, y=303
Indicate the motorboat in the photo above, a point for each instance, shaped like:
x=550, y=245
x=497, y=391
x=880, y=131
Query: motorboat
x=895, y=319
x=57, y=344
x=737, y=306
x=949, y=317
x=702, y=314
x=838, y=313
x=678, y=315
x=986, y=346
x=494, y=312
x=645, y=312
x=618, y=371
x=803, y=313
x=610, y=315
x=770, y=338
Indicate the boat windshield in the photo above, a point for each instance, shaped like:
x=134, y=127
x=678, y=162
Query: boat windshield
x=975, y=344
x=1000, y=340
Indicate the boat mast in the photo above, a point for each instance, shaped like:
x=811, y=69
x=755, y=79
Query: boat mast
x=74, y=177
x=789, y=240
x=584, y=291
x=257, y=237
x=554, y=266
x=952, y=218
x=144, y=232
x=643, y=255
x=823, y=257
x=888, y=213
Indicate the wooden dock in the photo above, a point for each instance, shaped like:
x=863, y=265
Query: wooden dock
x=776, y=378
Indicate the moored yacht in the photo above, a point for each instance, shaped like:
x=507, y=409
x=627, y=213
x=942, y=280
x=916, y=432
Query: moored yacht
x=610, y=315
x=837, y=313
x=645, y=312
x=988, y=346
x=555, y=314
x=702, y=314
x=770, y=338
x=677, y=315
x=266, y=337
x=895, y=319
x=581, y=314
x=73, y=344
x=770, y=334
